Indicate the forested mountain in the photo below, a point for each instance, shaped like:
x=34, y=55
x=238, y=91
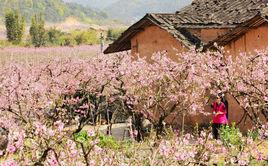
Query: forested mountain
x=130, y=11
x=53, y=10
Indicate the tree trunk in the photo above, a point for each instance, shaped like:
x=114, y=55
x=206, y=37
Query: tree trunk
x=160, y=127
x=137, y=122
x=183, y=123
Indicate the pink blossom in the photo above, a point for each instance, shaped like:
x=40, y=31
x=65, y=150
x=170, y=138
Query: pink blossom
x=203, y=134
x=73, y=153
x=249, y=141
x=96, y=141
x=91, y=133
x=180, y=156
x=242, y=162
x=219, y=142
x=52, y=161
x=9, y=162
x=51, y=133
x=97, y=149
x=165, y=148
x=108, y=161
x=11, y=148
x=60, y=125
x=1, y=152
x=36, y=91
x=135, y=133
x=92, y=163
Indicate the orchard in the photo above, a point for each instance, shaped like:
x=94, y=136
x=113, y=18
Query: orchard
x=45, y=107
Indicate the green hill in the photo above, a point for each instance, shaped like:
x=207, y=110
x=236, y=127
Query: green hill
x=53, y=10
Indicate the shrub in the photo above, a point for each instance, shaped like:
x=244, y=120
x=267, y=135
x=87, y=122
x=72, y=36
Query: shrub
x=105, y=141
x=54, y=36
x=85, y=37
x=4, y=43
x=67, y=40
x=108, y=142
x=81, y=137
x=231, y=136
x=254, y=133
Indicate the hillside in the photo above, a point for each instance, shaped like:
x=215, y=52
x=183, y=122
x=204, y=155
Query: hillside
x=132, y=10
x=97, y=4
x=53, y=10
x=129, y=11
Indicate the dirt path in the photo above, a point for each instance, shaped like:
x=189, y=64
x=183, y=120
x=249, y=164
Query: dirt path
x=117, y=130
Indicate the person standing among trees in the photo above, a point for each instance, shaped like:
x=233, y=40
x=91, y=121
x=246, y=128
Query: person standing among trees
x=219, y=116
x=224, y=100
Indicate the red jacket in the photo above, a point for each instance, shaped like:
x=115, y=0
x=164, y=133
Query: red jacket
x=220, y=118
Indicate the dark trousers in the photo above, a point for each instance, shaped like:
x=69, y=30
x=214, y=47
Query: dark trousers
x=215, y=130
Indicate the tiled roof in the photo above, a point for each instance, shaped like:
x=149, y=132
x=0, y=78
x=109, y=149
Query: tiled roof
x=219, y=12
x=166, y=21
x=213, y=13
x=200, y=14
x=123, y=43
x=240, y=30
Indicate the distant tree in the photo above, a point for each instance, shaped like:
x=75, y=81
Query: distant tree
x=67, y=40
x=110, y=35
x=54, y=36
x=114, y=34
x=80, y=38
x=15, y=26
x=89, y=36
x=37, y=31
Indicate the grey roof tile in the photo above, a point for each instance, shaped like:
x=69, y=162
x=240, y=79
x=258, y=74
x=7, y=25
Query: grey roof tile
x=221, y=12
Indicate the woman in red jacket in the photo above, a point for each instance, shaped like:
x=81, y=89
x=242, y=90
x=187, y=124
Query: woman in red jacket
x=219, y=116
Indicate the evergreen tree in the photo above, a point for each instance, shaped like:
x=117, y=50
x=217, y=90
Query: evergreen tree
x=110, y=35
x=37, y=31
x=15, y=26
